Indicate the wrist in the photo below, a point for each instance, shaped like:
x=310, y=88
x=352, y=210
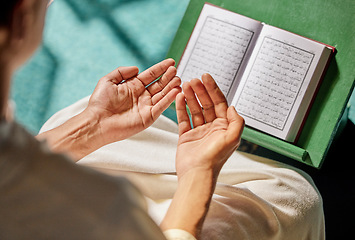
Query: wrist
x=86, y=134
x=196, y=178
x=208, y=173
x=191, y=202
x=77, y=137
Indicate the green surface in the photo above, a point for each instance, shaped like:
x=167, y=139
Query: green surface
x=327, y=21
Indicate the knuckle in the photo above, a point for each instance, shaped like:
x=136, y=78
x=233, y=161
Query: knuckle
x=152, y=73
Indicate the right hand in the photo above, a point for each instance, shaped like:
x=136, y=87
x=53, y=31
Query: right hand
x=126, y=102
x=122, y=104
x=216, y=130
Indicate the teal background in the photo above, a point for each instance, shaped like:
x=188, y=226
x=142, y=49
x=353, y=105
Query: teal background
x=83, y=41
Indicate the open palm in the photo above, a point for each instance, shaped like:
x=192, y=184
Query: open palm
x=126, y=102
x=216, y=128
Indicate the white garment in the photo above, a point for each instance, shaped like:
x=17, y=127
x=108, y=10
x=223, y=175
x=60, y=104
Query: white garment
x=255, y=197
x=178, y=234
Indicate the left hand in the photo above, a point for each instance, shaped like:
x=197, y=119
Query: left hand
x=216, y=130
x=125, y=103
x=202, y=151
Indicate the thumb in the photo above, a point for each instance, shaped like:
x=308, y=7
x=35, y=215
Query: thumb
x=235, y=126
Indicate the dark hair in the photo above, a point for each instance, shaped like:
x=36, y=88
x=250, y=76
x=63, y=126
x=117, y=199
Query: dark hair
x=6, y=9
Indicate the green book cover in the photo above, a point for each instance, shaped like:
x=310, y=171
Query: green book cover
x=322, y=122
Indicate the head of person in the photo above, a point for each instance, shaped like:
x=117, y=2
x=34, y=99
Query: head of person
x=21, y=28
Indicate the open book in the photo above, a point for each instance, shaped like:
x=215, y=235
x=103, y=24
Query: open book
x=270, y=75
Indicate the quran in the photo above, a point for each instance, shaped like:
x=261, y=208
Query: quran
x=269, y=74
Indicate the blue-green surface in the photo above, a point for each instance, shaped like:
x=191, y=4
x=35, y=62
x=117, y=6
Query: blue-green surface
x=83, y=41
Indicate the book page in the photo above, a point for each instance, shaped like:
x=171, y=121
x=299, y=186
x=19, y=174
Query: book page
x=275, y=82
x=219, y=46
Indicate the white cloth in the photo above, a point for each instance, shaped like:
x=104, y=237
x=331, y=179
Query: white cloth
x=178, y=234
x=255, y=197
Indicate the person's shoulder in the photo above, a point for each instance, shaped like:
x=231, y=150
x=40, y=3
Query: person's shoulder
x=21, y=147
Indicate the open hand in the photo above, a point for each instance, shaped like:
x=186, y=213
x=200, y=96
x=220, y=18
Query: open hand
x=202, y=151
x=126, y=102
x=216, y=130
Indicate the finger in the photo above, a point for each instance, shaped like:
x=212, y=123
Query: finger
x=205, y=100
x=182, y=116
x=176, y=82
x=235, y=127
x=216, y=95
x=165, y=102
x=159, y=85
x=122, y=73
x=154, y=72
x=194, y=106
